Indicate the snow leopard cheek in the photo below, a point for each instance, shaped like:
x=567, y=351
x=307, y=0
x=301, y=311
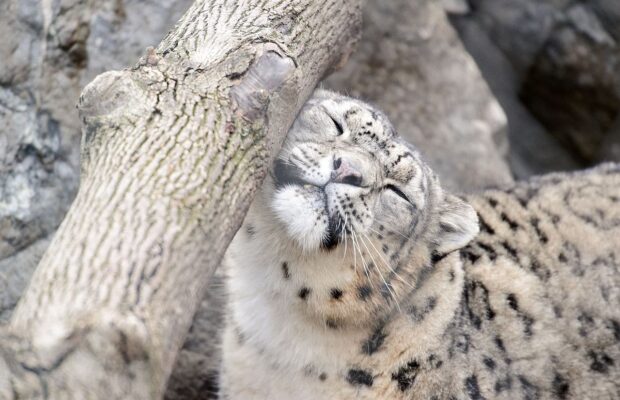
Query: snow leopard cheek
x=395, y=214
x=302, y=213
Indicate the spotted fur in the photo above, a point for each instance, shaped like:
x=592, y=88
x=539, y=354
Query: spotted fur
x=357, y=277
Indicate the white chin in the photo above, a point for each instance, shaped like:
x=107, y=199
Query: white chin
x=302, y=212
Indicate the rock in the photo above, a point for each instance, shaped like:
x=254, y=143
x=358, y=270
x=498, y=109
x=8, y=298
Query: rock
x=518, y=27
x=566, y=59
x=608, y=12
x=573, y=86
x=533, y=151
x=411, y=63
x=456, y=6
x=15, y=273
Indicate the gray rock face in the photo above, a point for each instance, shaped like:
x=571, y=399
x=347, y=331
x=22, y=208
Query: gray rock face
x=532, y=149
x=411, y=63
x=566, y=58
x=573, y=86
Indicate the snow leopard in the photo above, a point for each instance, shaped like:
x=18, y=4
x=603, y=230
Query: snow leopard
x=355, y=275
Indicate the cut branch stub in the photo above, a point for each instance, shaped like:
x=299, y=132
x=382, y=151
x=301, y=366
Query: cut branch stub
x=268, y=73
x=173, y=151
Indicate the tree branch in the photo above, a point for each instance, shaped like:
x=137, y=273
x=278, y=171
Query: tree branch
x=173, y=151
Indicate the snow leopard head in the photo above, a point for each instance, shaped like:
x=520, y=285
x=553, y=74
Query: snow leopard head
x=344, y=175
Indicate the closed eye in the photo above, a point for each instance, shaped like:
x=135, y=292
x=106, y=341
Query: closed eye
x=397, y=191
x=337, y=124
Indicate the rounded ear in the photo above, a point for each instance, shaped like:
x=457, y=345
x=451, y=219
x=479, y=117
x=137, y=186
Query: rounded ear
x=458, y=224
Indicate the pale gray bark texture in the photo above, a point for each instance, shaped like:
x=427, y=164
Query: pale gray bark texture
x=48, y=52
x=172, y=153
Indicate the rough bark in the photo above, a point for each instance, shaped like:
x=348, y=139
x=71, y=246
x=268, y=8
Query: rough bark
x=172, y=152
x=49, y=51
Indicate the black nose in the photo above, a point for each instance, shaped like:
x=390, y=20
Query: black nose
x=345, y=172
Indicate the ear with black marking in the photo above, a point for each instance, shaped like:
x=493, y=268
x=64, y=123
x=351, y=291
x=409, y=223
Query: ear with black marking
x=458, y=224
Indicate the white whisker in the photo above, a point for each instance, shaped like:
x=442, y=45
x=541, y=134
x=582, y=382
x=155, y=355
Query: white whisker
x=387, y=264
x=387, y=286
x=356, y=241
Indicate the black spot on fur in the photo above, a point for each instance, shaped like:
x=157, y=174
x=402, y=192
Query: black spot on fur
x=250, y=231
x=418, y=315
x=385, y=248
x=600, y=362
x=528, y=322
x=472, y=388
x=540, y=270
x=512, y=301
x=484, y=226
x=364, y=292
x=615, y=327
x=489, y=250
x=386, y=291
x=303, y=293
x=560, y=386
x=510, y=250
x=490, y=363
x=503, y=384
x=472, y=257
x=434, y=361
x=476, y=298
x=437, y=257
x=405, y=376
x=530, y=391
x=323, y=377
x=499, y=343
x=336, y=293
x=586, y=322
x=431, y=303
x=285, y=271
x=542, y=237
x=331, y=323
x=511, y=223
x=462, y=343
x=359, y=377
x=374, y=342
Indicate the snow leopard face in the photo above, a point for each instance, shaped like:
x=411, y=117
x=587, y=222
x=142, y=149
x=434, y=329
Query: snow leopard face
x=345, y=177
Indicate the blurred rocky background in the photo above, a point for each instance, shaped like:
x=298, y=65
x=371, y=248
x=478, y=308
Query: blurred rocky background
x=489, y=90
x=554, y=66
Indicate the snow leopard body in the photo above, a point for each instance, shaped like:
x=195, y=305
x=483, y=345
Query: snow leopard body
x=356, y=276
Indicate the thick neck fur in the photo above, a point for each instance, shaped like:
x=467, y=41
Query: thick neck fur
x=325, y=311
